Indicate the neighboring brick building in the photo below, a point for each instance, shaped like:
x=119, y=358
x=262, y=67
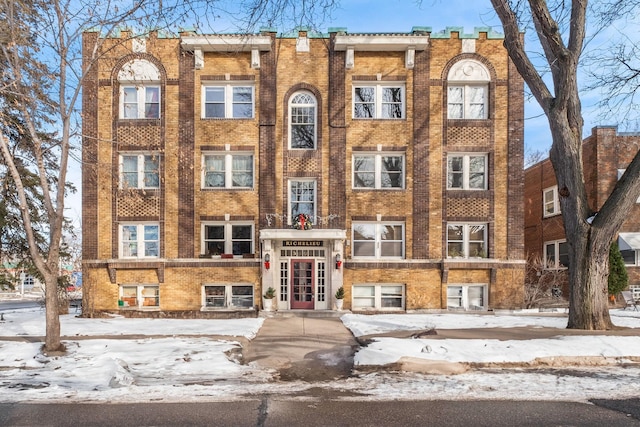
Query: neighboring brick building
x=200, y=152
x=606, y=153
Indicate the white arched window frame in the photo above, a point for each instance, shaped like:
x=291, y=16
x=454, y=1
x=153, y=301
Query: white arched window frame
x=302, y=121
x=468, y=91
x=139, y=90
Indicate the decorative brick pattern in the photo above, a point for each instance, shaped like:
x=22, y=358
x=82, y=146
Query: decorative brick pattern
x=468, y=136
x=471, y=207
x=140, y=135
x=136, y=204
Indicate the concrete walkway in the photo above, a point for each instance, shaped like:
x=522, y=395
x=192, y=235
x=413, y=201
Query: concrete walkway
x=303, y=348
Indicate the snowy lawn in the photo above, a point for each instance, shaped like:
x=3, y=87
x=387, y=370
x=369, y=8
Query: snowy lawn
x=179, y=360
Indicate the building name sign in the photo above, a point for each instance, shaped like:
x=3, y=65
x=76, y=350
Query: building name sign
x=302, y=243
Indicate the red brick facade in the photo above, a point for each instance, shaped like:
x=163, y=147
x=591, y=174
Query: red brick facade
x=605, y=152
x=395, y=245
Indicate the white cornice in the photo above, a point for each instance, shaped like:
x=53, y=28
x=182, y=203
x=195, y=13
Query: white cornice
x=381, y=43
x=226, y=43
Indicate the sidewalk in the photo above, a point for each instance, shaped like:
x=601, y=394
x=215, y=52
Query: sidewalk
x=303, y=348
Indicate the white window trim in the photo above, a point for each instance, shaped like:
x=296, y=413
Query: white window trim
x=228, y=170
x=466, y=103
x=228, y=241
x=378, y=99
x=466, y=170
x=290, y=202
x=378, y=170
x=620, y=173
x=315, y=119
x=228, y=297
x=228, y=99
x=378, y=239
x=141, y=90
x=465, y=296
x=140, y=241
x=141, y=171
x=465, y=239
x=556, y=244
x=378, y=297
x=139, y=296
x=556, y=202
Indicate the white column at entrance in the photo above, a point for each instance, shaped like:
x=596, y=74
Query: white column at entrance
x=337, y=278
x=268, y=273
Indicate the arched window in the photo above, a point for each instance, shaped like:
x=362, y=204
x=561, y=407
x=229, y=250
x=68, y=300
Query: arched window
x=468, y=91
x=302, y=121
x=139, y=90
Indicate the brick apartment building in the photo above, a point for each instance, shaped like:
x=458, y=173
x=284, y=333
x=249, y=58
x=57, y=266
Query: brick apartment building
x=217, y=166
x=606, y=154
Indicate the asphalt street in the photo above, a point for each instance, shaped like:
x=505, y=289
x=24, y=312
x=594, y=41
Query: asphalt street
x=311, y=411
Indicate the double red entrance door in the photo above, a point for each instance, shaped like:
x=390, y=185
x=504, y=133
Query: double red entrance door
x=302, y=284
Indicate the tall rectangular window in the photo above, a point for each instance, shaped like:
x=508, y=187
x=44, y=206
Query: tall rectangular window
x=139, y=102
x=227, y=238
x=551, y=203
x=467, y=241
x=139, y=240
x=378, y=240
x=378, y=171
x=302, y=198
x=226, y=170
x=139, y=171
x=378, y=101
x=467, y=172
x=228, y=101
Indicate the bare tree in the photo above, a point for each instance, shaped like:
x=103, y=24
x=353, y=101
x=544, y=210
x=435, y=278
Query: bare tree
x=560, y=29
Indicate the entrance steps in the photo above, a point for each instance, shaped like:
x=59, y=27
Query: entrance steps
x=302, y=313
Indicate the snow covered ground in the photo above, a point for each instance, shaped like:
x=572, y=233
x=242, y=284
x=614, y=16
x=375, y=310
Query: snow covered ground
x=186, y=364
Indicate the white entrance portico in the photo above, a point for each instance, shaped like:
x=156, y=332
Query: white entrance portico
x=302, y=266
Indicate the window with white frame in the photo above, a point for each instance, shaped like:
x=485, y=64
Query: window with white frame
x=378, y=297
x=378, y=240
x=550, y=201
x=466, y=297
x=466, y=240
x=139, y=296
x=620, y=173
x=467, y=172
x=556, y=254
x=227, y=170
x=138, y=170
x=139, y=240
x=302, y=121
x=139, y=90
x=228, y=101
x=378, y=101
x=467, y=101
x=468, y=90
x=140, y=101
x=378, y=171
x=220, y=296
x=227, y=238
x=302, y=198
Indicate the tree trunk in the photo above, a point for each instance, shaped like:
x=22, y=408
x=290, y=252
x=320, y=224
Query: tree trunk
x=588, y=282
x=52, y=340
